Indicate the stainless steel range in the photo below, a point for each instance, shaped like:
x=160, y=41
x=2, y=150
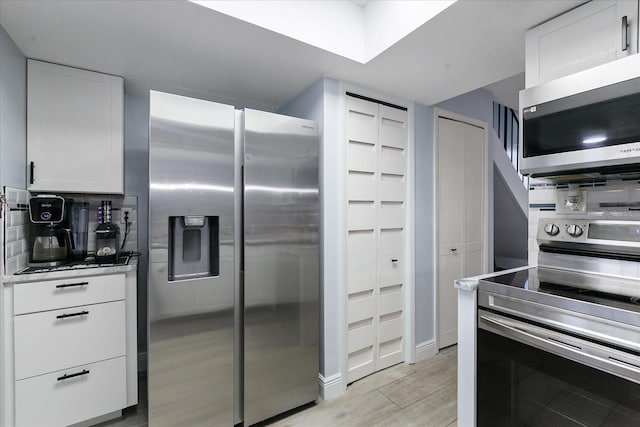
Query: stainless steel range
x=559, y=344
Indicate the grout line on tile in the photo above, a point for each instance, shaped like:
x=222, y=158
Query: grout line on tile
x=388, y=398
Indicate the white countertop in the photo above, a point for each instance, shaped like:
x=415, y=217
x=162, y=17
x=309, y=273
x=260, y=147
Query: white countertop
x=82, y=272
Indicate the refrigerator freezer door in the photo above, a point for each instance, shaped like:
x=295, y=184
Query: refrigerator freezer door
x=191, y=175
x=281, y=270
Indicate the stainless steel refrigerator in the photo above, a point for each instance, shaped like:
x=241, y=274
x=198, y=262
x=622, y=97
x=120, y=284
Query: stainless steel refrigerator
x=234, y=263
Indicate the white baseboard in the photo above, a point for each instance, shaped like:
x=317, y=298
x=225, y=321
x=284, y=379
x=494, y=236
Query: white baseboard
x=425, y=350
x=331, y=386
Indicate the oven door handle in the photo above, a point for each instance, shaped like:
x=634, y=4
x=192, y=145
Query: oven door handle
x=613, y=361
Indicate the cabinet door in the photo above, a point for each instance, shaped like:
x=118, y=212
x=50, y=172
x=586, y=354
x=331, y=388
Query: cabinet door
x=585, y=37
x=74, y=130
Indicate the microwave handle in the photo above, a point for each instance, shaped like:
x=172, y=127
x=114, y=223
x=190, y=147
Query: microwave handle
x=625, y=33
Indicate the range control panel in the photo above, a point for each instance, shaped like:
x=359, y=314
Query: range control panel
x=589, y=231
x=563, y=229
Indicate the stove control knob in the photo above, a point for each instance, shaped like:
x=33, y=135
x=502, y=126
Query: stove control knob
x=551, y=229
x=574, y=230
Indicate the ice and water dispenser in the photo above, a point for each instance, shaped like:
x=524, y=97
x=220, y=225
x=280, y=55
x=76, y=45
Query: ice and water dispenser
x=194, y=247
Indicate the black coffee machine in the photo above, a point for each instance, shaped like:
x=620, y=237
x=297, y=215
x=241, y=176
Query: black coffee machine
x=50, y=236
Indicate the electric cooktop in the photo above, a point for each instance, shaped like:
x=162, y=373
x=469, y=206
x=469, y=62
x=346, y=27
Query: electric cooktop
x=594, y=288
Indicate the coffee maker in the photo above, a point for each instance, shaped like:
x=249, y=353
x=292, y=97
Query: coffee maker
x=50, y=237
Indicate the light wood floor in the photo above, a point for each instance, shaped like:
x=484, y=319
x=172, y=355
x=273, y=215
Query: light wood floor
x=423, y=394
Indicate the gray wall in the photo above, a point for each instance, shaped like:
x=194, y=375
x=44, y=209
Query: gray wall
x=425, y=217
x=13, y=114
x=510, y=239
x=136, y=183
x=476, y=105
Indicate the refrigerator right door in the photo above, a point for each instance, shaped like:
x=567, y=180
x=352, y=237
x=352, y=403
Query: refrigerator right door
x=281, y=264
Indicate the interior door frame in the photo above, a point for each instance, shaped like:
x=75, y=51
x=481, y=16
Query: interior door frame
x=410, y=272
x=445, y=114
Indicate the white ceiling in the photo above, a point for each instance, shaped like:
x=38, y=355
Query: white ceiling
x=361, y=3
x=180, y=47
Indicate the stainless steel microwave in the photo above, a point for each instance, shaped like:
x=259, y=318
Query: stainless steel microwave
x=584, y=124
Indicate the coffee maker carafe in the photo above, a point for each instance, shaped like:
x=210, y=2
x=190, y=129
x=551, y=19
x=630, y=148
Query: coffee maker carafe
x=50, y=237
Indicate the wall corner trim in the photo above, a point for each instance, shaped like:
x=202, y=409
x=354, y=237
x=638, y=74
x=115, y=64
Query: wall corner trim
x=331, y=386
x=425, y=350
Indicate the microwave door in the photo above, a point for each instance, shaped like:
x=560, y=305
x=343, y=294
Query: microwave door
x=597, y=127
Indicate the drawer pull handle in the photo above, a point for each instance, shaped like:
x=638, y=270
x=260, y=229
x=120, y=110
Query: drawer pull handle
x=625, y=34
x=70, y=285
x=77, y=374
x=65, y=315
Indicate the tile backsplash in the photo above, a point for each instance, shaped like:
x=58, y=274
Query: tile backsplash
x=16, y=224
x=599, y=199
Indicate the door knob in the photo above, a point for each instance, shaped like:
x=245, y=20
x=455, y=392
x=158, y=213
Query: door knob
x=394, y=260
x=454, y=249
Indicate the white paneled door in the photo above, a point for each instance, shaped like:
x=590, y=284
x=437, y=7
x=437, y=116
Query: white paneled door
x=461, y=217
x=376, y=214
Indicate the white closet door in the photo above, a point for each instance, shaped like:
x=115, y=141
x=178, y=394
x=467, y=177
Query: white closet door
x=392, y=215
x=450, y=203
x=473, y=203
x=451, y=135
x=362, y=213
x=460, y=204
x=376, y=215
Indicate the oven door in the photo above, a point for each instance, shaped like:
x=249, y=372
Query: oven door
x=531, y=375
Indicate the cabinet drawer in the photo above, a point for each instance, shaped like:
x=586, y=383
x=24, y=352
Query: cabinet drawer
x=51, y=400
x=58, y=339
x=54, y=294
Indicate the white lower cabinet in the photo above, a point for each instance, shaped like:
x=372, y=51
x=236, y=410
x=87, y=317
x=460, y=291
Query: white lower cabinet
x=72, y=395
x=74, y=351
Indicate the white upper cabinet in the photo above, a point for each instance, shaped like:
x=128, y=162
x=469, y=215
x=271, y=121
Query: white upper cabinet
x=590, y=35
x=74, y=130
